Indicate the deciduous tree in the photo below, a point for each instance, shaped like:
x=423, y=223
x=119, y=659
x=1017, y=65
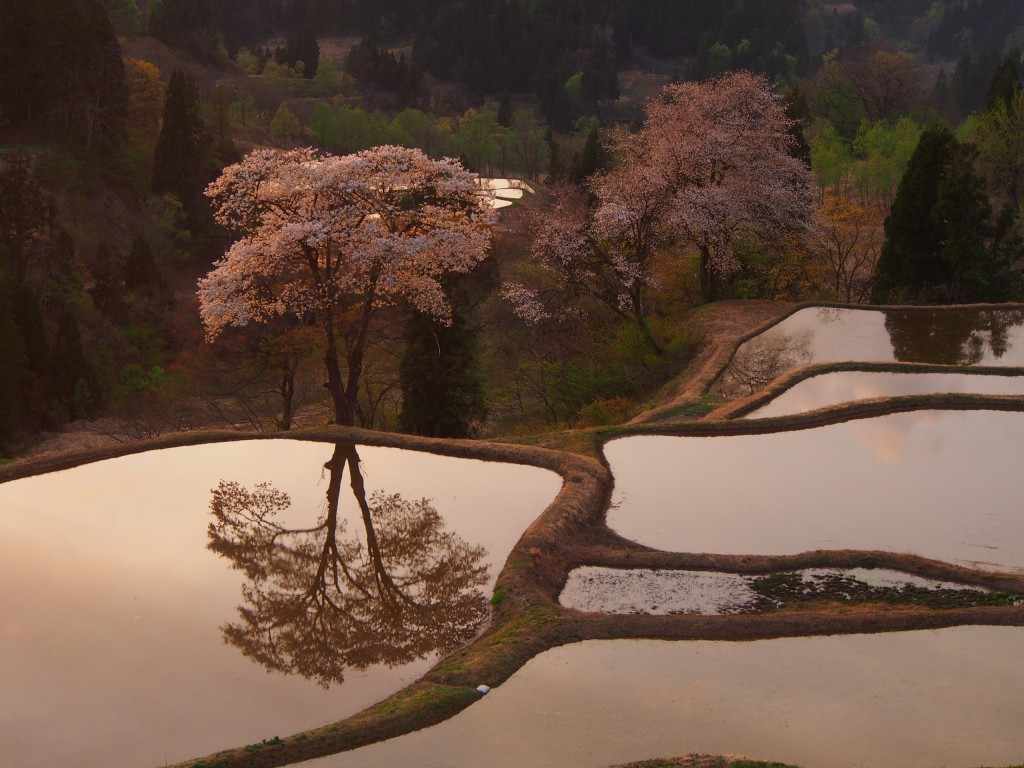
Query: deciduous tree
x=723, y=150
x=845, y=239
x=331, y=239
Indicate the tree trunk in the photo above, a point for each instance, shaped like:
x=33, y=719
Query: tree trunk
x=289, y=367
x=343, y=411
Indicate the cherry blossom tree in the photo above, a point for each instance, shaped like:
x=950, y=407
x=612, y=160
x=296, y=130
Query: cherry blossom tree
x=330, y=239
x=722, y=148
x=711, y=169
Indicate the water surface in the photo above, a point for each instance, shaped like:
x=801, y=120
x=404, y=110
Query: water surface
x=941, y=484
x=837, y=387
x=826, y=334
x=121, y=641
x=949, y=697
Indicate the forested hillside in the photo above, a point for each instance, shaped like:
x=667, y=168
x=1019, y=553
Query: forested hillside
x=674, y=152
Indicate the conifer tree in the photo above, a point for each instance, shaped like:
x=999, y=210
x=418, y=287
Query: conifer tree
x=102, y=90
x=73, y=381
x=442, y=395
x=108, y=286
x=942, y=242
x=1005, y=84
x=908, y=258
x=179, y=154
x=13, y=371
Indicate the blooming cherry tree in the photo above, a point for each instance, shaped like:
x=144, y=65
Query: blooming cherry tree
x=330, y=239
x=710, y=168
x=723, y=147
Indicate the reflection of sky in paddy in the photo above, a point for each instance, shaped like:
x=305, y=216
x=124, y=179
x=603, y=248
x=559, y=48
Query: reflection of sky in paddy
x=869, y=335
x=845, y=386
x=949, y=697
x=990, y=337
x=503, y=192
x=941, y=484
x=110, y=643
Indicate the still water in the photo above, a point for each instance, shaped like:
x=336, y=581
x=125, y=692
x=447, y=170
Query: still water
x=846, y=386
x=826, y=334
x=941, y=484
x=121, y=584
x=949, y=697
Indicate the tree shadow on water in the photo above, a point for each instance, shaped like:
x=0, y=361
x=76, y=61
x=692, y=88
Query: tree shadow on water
x=319, y=602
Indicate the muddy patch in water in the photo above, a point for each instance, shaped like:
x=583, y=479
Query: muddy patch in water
x=711, y=593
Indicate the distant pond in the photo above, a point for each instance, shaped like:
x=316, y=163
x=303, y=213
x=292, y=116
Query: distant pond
x=827, y=334
x=168, y=604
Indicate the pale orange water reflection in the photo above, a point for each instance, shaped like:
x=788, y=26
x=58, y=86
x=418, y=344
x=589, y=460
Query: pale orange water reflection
x=827, y=334
x=942, y=484
x=112, y=604
x=846, y=386
x=949, y=697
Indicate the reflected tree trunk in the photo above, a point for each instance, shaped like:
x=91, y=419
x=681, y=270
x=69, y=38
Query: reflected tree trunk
x=318, y=602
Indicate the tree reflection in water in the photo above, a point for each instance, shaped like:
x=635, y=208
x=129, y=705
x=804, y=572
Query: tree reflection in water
x=762, y=359
x=950, y=337
x=318, y=603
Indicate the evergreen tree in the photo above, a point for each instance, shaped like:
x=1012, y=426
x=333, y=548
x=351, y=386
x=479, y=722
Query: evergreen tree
x=505, y=111
x=303, y=47
x=441, y=386
x=1005, y=84
x=140, y=267
x=102, y=89
x=74, y=386
x=941, y=242
x=908, y=260
x=592, y=159
x=14, y=374
x=108, y=288
x=178, y=159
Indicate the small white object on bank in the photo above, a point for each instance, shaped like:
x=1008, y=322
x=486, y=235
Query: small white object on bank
x=482, y=689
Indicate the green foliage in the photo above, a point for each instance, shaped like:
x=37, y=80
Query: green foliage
x=912, y=241
x=285, y=125
x=941, y=242
x=884, y=151
x=74, y=387
x=830, y=156
x=600, y=385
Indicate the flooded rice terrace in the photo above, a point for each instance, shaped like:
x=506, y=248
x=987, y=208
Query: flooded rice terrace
x=172, y=603
x=989, y=337
x=837, y=387
x=940, y=484
x=949, y=697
